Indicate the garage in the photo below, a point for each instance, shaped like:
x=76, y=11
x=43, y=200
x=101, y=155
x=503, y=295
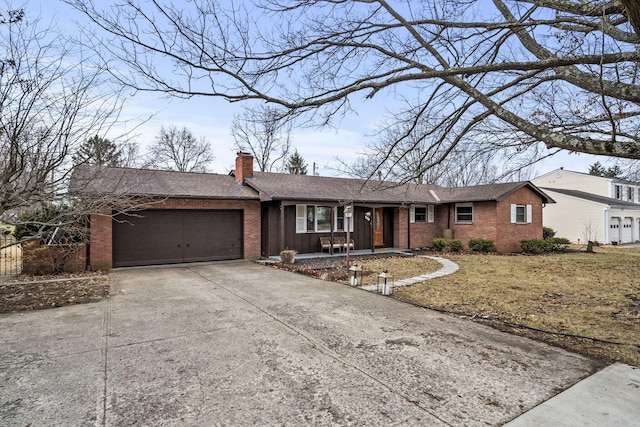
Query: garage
x=177, y=236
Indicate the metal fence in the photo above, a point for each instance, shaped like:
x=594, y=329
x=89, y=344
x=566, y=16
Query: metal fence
x=10, y=256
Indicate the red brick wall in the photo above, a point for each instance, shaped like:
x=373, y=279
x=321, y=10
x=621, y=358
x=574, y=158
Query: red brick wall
x=100, y=242
x=38, y=259
x=483, y=226
x=422, y=233
x=491, y=220
x=509, y=235
x=101, y=227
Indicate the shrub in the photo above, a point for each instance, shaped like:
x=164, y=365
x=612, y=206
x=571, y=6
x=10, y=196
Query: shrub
x=439, y=244
x=556, y=244
x=482, y=245
x=455, y=245
x=548, y=232
x=533, y=246
x=50, y=223
x=540, y=246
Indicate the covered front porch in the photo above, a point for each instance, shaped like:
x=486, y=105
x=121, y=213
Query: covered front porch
x=303, y=227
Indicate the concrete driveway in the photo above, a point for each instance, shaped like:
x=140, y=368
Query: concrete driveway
x=236, y=343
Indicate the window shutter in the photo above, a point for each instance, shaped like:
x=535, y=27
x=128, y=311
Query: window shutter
x=301, y=218
x=513, y=214
x=412, y=214
x=529, y=212
x=430, y=213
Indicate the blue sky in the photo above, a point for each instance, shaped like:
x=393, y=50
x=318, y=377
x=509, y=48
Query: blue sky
x=211, y=118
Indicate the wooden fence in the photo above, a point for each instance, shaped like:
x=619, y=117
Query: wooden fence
x=10, y=256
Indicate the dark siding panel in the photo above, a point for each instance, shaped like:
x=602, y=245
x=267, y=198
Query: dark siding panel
x=387, y=218
x=310, y=242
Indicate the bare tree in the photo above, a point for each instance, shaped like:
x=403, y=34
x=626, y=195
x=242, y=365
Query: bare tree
x=563, y=73
x=179, y=150
x=51, y=101
x=266, y=133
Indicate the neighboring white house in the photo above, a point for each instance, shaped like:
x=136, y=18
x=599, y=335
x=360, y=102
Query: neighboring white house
x=590, y=207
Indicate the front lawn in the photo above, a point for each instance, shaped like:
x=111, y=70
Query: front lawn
x=585, y=302
x=590, y=300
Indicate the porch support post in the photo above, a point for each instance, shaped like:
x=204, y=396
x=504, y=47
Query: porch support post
x=282, y=225
x=331, y=228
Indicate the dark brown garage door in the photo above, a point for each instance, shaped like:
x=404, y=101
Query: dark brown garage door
x=174, y=236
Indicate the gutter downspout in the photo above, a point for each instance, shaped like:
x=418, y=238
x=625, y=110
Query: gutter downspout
x=607, y=225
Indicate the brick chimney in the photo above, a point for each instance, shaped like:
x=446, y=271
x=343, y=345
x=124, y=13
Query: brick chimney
x=244, y=166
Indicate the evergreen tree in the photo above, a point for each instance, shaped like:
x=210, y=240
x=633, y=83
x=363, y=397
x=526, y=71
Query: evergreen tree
x=296, y=164
x=99, y=151
x=610, y=172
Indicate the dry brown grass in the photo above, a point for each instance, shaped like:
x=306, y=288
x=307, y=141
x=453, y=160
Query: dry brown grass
x=590, y=295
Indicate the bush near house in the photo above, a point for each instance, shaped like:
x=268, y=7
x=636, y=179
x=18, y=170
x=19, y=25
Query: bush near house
x=482, y=245
x=440, y=244
x=548, y=232
x=541, y=246
x=455, y=245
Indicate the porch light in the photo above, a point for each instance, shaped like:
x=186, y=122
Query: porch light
x=385, y=283
x=355, y=275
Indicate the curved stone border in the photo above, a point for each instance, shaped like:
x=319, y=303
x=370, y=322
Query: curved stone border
x=448, y=267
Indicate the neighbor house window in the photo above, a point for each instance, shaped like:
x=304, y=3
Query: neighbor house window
x=312, y=218
x=521, y=214
x=421, y=213
x=617, y=191
x=464, y=213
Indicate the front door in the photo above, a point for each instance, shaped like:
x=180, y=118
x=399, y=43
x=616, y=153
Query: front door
x=378, y=235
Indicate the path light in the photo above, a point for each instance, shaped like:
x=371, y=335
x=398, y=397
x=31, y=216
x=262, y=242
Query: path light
x=355, y=275
x=385, y=283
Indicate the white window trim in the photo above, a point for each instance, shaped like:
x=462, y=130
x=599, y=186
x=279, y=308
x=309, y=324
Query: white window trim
x=528, y=213
x=335, y=221
x=429, y=214
x=463, y=205
x=301, y=220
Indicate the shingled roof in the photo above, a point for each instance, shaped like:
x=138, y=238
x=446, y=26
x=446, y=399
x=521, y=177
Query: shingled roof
x=292, y=187
x=95, y=180
x=266, y=186
x=614, y=203
x=488, y=192
x=273, y=186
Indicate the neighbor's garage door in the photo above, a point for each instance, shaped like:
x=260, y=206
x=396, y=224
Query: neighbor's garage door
x=627, y=230
x=174, y=236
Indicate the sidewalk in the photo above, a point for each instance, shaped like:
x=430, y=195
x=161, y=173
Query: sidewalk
x=607, y=398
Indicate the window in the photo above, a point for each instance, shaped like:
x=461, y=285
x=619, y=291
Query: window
x=464, y=213
x=340, y=220
x=617, y=192
x=421, y=213
x=521, y=214
x=311, y=219
x=630, y=195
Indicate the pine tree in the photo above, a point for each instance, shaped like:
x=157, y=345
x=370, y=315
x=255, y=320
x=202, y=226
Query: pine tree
x=610, y=172
x=99, y=151
x=296, y=164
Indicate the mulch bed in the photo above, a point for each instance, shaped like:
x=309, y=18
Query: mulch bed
x=25, y=293
x=330, y=268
